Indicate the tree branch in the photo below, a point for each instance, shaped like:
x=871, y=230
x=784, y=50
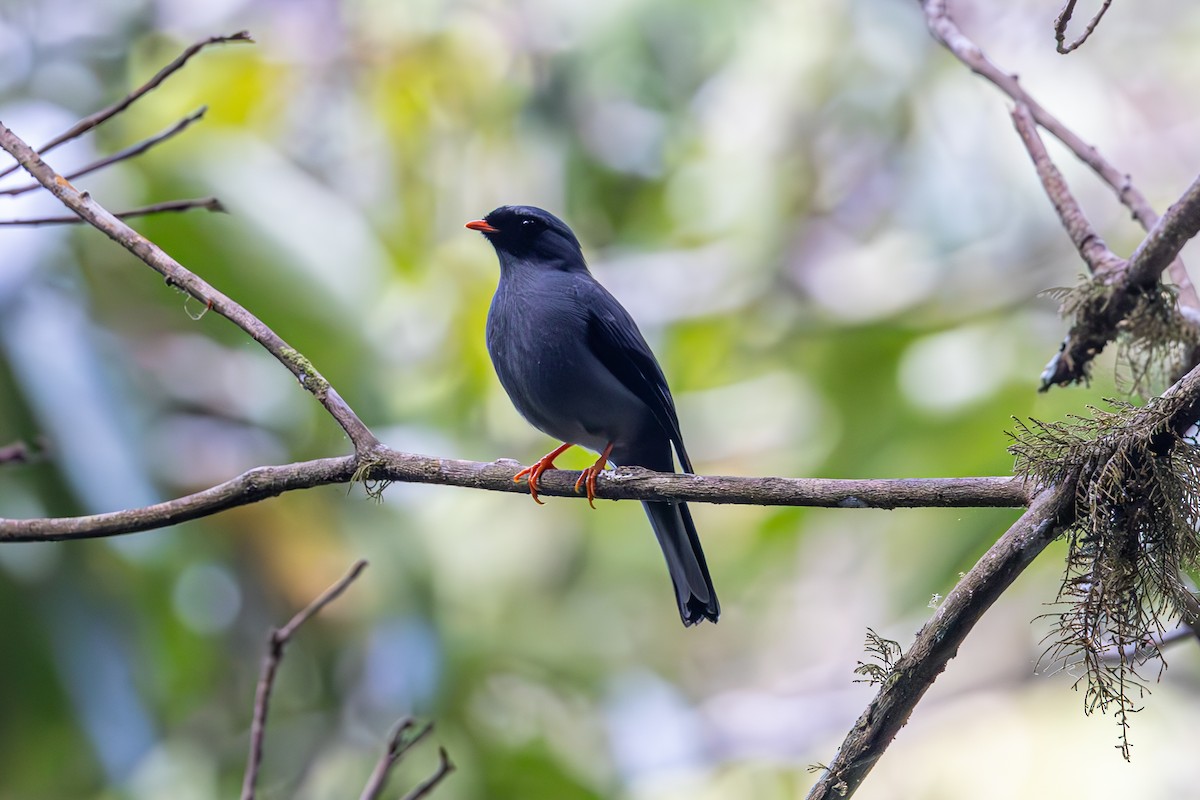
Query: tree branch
x=1168, y=236
x=1090, y=333
x=398, y=744
x=938, y=641
x=626, y=483
x=121, y=155
x=249, y=487
x=89, y=122
x=1091, y=247
x=91, y=212
x=1088, y=336
x=276, y=641
x=206, y=203
x=947, y=32
x=1054, y=509
x=1064, y=17
x=426, y=787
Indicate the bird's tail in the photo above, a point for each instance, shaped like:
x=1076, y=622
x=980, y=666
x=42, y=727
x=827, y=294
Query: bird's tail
x=676, y=534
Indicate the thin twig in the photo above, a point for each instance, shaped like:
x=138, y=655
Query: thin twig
x=87, y=123
x=154, y=257
x=397, y=746
x=1091, y=247
x=423, y=789
x=627, y=483
x=121, y=155
x=205, y=203
x=946, y=31
x=1064, y=17
x=276, y=641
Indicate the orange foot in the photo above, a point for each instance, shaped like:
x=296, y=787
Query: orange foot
x=534, y=472
x=588, y=476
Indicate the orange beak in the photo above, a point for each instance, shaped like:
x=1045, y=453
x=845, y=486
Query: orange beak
x=481, y=226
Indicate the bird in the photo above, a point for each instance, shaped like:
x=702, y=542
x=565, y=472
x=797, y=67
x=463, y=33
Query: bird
x=577, y=368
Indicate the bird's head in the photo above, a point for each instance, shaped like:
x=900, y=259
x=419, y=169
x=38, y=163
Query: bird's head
x=531, y=236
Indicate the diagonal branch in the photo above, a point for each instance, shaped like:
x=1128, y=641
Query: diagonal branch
x=87, y=123
x=625, y=484
x=397, y=745
x=154, y=257
x=276, y=641
x=1100, y=260
x=938, y=642
x=1161, y=246
x=132, y=151
x=206, y=203
x=1053, y=510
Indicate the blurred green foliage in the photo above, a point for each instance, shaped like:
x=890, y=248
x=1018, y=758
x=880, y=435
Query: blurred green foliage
x=825, y=228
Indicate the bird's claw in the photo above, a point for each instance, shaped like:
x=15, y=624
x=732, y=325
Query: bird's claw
x=533, y=473
x=589, y=475
x=588, y=479
x=535, y=470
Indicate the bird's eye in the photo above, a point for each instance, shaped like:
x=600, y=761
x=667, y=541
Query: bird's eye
x=527, y=223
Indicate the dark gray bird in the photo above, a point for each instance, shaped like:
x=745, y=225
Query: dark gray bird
x=577, y=368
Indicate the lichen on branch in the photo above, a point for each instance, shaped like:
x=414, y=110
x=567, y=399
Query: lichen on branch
x=1155, y=342
x=1137, y=504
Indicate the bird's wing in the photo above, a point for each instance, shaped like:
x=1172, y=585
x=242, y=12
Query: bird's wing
x=614, y=338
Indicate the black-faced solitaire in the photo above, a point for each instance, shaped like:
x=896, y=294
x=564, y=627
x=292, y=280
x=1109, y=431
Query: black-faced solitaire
x=577, y=368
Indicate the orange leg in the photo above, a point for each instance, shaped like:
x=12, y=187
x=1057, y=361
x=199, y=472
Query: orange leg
x=535, y=471
x=588, y=476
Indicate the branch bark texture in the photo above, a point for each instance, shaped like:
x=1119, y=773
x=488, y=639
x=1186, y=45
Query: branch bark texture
x=386, y=464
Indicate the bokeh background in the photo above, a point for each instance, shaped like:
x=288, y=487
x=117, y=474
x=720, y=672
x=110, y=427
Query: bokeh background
x=827, y=230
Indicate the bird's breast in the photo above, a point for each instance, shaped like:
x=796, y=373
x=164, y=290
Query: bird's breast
x=538, y=344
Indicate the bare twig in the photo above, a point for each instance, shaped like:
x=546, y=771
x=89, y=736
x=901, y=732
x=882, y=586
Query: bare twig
x=398, y=744
x=627, y=483
x=121, y=155
x=89, y=122
x=154, y=257
x=205, y=203
x=423, y=789
x=1091, y=247
x=276, y=641
x=1064, y=17
x=938, y=642
x=946, y=31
